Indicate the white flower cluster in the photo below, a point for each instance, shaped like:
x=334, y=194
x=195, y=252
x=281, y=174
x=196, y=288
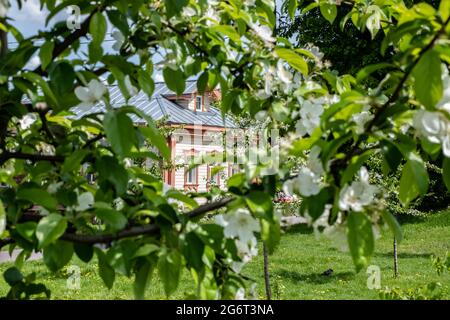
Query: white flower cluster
x=278, y=78
x=309, y=180
x=361, y=119
x=310, y=113
x=27, y=120
x=435, y=125
x=240, y=225
x=359, y=194
x=90, y=95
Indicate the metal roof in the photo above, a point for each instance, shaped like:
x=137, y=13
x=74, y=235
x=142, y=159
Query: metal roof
x=158, y=107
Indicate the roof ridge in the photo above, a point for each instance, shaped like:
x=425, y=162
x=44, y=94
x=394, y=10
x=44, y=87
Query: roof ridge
x=163, y=110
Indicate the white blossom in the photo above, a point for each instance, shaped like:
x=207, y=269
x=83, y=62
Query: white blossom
x=27, y=120
x=240, y=294
x=120, y=39
x=315, y=51
x=314, y=163
x=359, y=194
x=239, y=224
x=264, y=32
x=434, y=126
x=283, y=74
x=90, y=95
x=246, y=251
x=131, y=89
x=308, y=183
x=310, y=113
x=211, y=16
x=189, y=11
x=361, y=119
x=261, y=115
x=444, y=103
x=54, y=187
x=85, y=201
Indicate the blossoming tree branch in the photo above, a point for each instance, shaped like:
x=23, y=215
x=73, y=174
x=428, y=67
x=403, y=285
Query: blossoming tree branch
x=329, y=125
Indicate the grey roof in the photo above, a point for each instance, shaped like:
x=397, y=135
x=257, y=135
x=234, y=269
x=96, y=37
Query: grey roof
x=158, y=107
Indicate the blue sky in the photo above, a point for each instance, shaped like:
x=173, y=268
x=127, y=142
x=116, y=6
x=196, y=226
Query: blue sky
x=31, y=18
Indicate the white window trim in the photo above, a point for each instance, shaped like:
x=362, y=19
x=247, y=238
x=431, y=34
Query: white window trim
x=201, y=103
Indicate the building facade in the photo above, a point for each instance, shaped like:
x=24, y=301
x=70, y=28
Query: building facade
x=197, y=131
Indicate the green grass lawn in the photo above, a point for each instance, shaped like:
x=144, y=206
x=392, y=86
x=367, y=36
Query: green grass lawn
x=295, y=268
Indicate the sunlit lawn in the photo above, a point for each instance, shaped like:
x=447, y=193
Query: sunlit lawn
x=295, y=268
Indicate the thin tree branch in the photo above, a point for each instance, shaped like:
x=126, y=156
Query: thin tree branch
x=150, y=229
x=405, y=77
x=84, y=28
x=209, y=207
x=5, y=156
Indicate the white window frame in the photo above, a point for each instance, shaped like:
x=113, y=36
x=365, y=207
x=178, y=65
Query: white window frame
x=197, y=98
x=191, y=174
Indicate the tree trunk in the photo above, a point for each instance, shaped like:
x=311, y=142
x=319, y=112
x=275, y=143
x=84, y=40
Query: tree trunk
x=266, y=273
x=395, y=259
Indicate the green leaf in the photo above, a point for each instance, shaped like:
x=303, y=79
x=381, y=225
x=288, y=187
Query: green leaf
x=142, y=279
x=270, y=234
x=12, y=276
x=73, y=162
x=119, y=20
x=354, y=166
x=202, y=82
x=414, y=180
x=260, y=203
x=158, y=140
x=445, y=173
x=427, y=79
x=46, y=54
x=193, y=249
x=175, y=194
x=105, y=271
x=295, y=60
x=228, y=31
x=368, y=70
x=109, y=169
x=50, y=228
x=444, y=9
x=174, y=7
x=2, y=218
x=329, y=11
x=393, y=225
x=292, y=7
x=115, y=219
x=360, y=239
x=27, y=230
x=146, y=82
x=62, y=77
x=120, y=132
x=97, y=28
x=57, y=255
x=145, y=250
x=169, y=267
x=84, y=251
x=315, y=205
x=38, y=196
x=175, y=80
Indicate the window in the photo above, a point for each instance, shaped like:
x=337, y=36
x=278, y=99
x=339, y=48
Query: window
x=198, y=103
x=233, y=169
x=191, y=176
x=214, y=174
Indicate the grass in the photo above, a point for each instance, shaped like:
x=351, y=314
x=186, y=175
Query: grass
x=295, y=268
